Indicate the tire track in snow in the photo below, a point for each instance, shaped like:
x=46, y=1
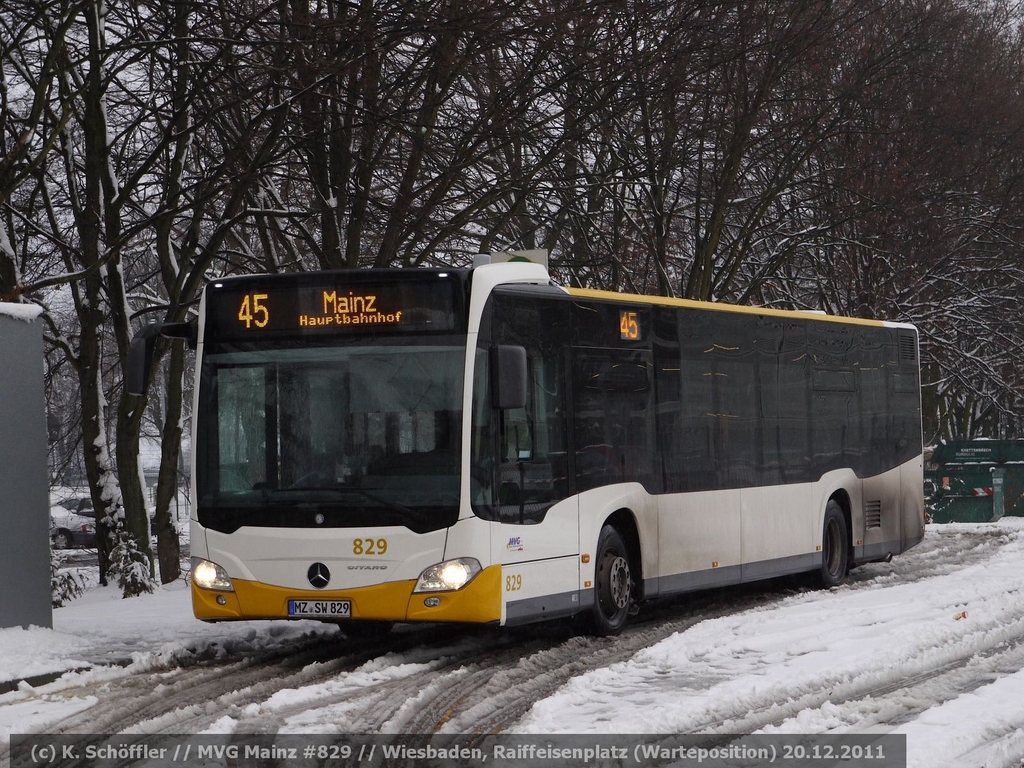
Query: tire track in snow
x=363, y=697
x=186, y=693
x=863, y=703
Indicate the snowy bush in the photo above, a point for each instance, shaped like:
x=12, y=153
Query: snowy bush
x=131, y=566
x=64, y=585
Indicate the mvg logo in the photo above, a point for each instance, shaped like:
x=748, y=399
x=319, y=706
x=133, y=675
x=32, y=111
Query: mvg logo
x=515, y=544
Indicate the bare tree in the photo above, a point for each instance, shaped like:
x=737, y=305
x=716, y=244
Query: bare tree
x=930, y=205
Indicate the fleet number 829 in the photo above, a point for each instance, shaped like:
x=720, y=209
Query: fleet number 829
x=369, y=546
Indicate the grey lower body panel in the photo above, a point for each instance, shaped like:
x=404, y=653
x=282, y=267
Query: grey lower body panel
x=569, y=603
x=732, y=574
x=556, y=606
x=872, y=553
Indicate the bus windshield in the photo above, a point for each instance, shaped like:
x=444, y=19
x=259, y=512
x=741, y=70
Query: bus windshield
x=299, y=435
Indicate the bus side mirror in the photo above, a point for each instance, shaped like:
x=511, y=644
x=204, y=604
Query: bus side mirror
x=140, y=352
x=508, y=377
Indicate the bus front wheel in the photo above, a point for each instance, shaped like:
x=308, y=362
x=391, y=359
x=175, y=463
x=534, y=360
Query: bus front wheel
x=613, y=584
x=835, y=547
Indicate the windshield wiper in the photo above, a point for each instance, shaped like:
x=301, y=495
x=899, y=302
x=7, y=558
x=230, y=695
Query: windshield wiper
x=344, y=489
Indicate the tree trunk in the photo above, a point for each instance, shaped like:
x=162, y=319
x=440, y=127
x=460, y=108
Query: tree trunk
x=102, y=484
x=168, y=547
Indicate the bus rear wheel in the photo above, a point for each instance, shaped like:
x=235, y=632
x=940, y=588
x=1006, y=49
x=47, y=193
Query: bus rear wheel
x=835, y=547
x=613, y=584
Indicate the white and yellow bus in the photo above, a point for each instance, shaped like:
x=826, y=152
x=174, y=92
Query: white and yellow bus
x=482, y=445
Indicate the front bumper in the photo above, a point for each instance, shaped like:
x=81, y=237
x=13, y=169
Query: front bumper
x=479, y=602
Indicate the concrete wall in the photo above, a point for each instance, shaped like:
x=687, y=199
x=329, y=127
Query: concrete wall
x=24, y=492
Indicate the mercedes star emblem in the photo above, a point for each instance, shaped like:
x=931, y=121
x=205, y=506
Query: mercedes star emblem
x=318, y=575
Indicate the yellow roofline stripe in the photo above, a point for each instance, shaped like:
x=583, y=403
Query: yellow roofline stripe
x=665, y=301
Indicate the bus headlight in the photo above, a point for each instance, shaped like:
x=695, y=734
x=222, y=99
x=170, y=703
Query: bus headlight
x=210, y=576
x=448, y=576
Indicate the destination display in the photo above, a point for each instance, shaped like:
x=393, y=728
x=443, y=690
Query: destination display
x=248, y=309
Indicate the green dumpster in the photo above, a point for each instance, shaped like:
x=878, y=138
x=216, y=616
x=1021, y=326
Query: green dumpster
x=975, y=481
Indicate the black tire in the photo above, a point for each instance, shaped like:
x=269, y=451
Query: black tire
x=613, y=584
x=835, y=547
x=62, y=540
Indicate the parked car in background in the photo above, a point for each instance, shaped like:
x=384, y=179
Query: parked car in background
x=73, y=523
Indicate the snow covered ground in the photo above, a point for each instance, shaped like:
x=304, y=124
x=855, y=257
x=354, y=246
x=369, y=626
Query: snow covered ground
x=930, y=645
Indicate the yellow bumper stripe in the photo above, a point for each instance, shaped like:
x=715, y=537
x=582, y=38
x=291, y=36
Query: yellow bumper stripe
x=478, y=602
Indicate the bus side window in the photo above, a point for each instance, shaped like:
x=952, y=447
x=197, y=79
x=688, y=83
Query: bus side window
x=614, y=428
